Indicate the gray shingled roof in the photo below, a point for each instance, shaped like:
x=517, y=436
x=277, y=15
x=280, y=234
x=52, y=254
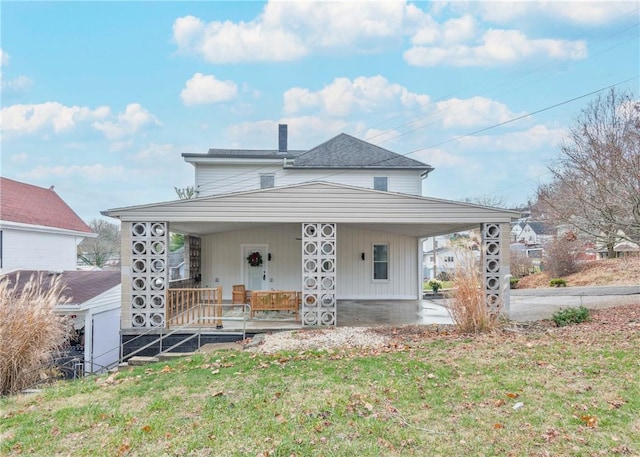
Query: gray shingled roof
x=540, y=228
x=342, y=151
x=345, y=151
x=79, y=286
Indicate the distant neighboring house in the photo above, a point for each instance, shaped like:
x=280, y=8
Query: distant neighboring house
x=621, y=249
x=445, y=258
x=531, y=233
x=93, y=309
x=38, y=230
x=176, y=264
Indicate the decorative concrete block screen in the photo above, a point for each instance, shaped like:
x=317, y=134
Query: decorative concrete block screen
x=319, y=274
x=491, y=262
x=149, y=246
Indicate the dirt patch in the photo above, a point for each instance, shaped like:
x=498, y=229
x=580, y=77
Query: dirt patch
x=609, y=272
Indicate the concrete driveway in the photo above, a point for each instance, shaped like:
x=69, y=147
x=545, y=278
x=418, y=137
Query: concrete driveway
x=526, y=305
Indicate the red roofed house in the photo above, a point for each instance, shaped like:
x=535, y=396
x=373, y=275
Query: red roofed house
x=39, y=236
x=38, y=230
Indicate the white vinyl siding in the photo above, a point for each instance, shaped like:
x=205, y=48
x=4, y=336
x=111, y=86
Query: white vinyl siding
x=355, y=275
x=26, y=250
x=221, y=260
x=222, y=257
x=222, y=179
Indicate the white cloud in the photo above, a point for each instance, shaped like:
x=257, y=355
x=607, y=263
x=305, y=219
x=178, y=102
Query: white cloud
x=159, y=152
x=131, y=121
x=588, y=13
x=95, y=172
x=537, y=137
x=18, y=158
x=345, y=96
x=34, y=118
x=18, y=84
x=452, y=31
x=497, y=47
x=203, y=89
x=4, y=58
x=438, y=158
x=290, y=30
x=303, y=132
x=472, y=112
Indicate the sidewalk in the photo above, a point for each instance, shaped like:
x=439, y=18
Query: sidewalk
x=537, y=304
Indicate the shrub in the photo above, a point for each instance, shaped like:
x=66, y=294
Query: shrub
x=570, y=316
x=560, y=258
x=435, y=285
x=520, y=264
x=30, y=332
x=513, y=282
x=558, y=282
x=467, y=303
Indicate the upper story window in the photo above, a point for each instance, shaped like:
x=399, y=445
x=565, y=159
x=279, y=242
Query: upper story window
x=380, y=183
x=267, y=181
x=381, y=262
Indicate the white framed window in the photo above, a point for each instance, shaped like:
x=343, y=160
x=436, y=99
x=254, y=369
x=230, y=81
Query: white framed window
x=381, y=183
x=380, y=259
x=267, y=181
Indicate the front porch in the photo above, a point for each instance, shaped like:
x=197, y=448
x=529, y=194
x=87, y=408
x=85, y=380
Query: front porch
x=350, y=313
x=228, y=317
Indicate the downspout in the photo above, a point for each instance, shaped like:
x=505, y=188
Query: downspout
x=420, y=268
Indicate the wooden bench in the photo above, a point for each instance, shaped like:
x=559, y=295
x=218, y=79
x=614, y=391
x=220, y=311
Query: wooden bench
x=275, y=300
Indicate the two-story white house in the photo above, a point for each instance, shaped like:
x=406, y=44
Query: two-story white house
x=342, y=220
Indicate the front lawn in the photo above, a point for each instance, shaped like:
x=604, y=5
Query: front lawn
x=545, y=391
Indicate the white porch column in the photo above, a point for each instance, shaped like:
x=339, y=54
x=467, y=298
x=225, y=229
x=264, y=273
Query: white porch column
x=494, y=270
x=149, y=246
x=319, y=305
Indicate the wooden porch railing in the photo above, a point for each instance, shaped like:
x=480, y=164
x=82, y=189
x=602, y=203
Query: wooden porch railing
x=194, y=306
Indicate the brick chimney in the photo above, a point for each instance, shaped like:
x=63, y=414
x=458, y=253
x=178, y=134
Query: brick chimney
x=282, y=137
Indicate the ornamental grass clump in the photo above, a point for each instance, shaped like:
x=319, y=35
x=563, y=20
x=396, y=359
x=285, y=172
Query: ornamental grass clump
x=467, y=302
x=30, y=332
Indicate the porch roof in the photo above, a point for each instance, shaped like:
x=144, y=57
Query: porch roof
x=318, y=202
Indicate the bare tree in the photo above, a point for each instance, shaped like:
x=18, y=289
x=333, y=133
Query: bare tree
x=595, y=189
x=106, y=246
x=184, y=193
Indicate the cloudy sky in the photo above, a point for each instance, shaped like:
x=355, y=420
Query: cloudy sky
x=101, y=99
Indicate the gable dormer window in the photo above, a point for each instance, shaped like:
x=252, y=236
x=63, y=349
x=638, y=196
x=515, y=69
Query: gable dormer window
x=380, y=183
x=267, y=181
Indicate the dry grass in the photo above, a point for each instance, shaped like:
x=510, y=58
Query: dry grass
x=467, y=301
x=609, y=272
x=30, y=332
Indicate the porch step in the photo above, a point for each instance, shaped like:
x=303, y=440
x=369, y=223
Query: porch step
x=211, y=347
x=164, y=356
x=122, y=366
x=139, y=360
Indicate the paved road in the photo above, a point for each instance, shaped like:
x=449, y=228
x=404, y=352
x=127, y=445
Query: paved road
x=536, y=304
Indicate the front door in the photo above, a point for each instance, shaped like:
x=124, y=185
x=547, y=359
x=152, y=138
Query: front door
x=255, y=272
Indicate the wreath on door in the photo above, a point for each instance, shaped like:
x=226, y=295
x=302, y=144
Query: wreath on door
x=254, y=259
